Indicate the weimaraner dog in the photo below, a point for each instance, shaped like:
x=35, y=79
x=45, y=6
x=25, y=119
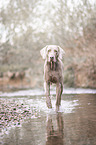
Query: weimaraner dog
x=53, y=72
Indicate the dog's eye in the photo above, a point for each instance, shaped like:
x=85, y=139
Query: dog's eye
x=49, y=50
x=55, y=51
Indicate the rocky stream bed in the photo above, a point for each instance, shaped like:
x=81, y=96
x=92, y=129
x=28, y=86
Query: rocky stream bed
x=13, y=112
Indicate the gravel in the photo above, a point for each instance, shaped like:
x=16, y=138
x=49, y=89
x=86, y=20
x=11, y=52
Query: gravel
x=13, y=112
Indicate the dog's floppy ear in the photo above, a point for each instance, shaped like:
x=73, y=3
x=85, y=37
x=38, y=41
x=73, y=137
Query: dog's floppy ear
x=61, y=52
x=43, y=52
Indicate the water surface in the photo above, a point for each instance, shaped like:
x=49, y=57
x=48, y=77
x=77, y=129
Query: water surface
x=74, y=124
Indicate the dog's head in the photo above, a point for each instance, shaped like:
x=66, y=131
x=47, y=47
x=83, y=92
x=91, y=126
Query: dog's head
x=52, y=53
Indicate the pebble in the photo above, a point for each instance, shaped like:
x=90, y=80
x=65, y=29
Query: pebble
x=13, y=112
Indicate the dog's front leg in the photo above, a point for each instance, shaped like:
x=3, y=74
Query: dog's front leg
x=59, y=89
x=47, y=91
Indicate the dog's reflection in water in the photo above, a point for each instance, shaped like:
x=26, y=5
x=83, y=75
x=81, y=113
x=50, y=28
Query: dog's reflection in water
x=55, y=130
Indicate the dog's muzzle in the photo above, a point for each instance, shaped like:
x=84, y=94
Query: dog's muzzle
x=51, y=58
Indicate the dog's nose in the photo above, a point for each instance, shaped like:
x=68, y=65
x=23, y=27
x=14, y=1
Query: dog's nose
x=52, y=58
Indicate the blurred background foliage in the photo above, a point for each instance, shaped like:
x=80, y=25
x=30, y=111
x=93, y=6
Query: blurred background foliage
x=26, y=26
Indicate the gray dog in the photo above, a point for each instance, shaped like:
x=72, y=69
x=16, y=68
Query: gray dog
x=53, y=72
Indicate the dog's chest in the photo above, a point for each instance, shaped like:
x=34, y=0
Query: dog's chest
x=53, y=76
x=53, y=79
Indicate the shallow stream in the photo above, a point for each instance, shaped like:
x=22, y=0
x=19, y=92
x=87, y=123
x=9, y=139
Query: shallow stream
x=74, y=124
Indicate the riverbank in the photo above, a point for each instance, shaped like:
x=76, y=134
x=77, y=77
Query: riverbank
x=13, y=112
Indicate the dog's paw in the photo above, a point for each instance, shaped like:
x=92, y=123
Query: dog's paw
x=49, y=105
